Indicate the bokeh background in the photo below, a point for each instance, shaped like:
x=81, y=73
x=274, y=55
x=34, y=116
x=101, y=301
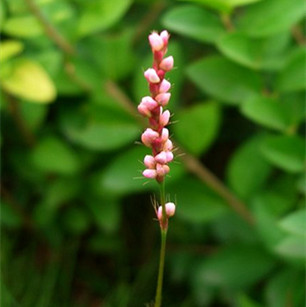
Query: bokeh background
x=78, y=226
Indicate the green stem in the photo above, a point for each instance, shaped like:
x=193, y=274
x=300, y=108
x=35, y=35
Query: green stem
x=163, y=230
x=159, y=289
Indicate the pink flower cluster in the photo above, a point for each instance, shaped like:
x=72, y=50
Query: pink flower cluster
x=157, y=136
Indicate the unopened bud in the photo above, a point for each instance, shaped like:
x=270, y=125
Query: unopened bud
x=164, y=118
x=151, y=75
x=163, y=98
x=149, y=161
x=167, y=63
x=150, y=173
x=156, y=41
x=165, y=86
x=149, y=136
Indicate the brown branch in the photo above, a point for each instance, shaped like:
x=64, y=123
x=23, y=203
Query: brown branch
x=227, y=22
x=298, y=35
x=192, y=164
x=22, y=126
x=49, y=29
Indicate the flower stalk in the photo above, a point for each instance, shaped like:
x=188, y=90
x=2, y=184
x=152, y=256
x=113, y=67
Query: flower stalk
x=156, y=137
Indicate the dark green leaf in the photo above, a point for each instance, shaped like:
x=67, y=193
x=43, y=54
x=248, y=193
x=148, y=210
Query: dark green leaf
x=52, y=155
x=196, y=203
x=231, y=267
x=295, y=222
x=197, y=126
x=292, y=247
x=269, y=17
x=247, y=170
x=286, y=152
x=223, y=79
x=194, y=22
x=267, y=112
x=293, y=76
x=98, y=15
x=255, y=53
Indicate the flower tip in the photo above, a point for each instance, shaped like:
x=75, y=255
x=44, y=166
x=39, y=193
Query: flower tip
x=167, y=63
x=156, y=41
x=149, y=173
x=151, y=75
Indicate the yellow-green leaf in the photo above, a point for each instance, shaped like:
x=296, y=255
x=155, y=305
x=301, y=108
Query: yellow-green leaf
x=9, y=49
x=28, y=80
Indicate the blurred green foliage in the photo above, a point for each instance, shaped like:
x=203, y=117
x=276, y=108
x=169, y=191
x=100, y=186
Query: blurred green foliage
x=78, y=227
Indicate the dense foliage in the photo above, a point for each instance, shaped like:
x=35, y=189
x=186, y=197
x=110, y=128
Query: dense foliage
x=77, y=222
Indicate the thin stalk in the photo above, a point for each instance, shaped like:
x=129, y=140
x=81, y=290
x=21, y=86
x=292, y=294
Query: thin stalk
x=163, y=231
x=159, y=289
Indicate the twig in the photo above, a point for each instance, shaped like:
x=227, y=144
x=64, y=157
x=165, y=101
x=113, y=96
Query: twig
x=227, y=22
x=192, y=164
x=50, y=30
x=298, y=35
x=13, y=108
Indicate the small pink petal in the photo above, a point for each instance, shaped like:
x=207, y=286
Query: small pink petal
x=150, y=173
x=161, y=158
x=156, y=41
x=165, y=86
x=149, y=161
x=170, y=209
x=164, y=118
x=151, y=75
x=167, y=63
x=163, y=98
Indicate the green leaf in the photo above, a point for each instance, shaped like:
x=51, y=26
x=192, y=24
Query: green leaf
x=107, y=52
x=124, y=174
x=222, y=5
x=197, y=126
x=267, y=112
x=76, y=220
x=52, y=155
x=255, y=53
x=293, y=77
x=194, y=22
x=295, y=222
x=98, y=15
x=23, y=25
x=286, y=152
x=28, y=80
x=292, y=247
x=3, y=15
x=9, y=49
x=247, y=170
x=9, y=218
x=108, y=133
x=231, y=267
x=33, y=114
x=224, y=80
x=269, y=17
x=106, y=213
x=196, y=203
x=284, y=284
x=244, y=301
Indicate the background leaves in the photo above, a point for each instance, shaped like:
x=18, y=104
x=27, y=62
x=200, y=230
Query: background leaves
x=77, y=223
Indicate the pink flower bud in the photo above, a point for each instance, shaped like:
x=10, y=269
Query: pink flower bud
x=165, y=135
x=149, y=161
x=167, y=63
x=169, y=156
x=149, y=102
x=162, y=170
x=165, y=86
x=161, y=157
x=164, y=118
x=143, y=110
x=168, y=146
x=151, y=75
x=170, y=209
x=160, y=213
x=163, y=98
x=156, y=42
x=150, y=173
x=164, y=35
x=149, y=136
